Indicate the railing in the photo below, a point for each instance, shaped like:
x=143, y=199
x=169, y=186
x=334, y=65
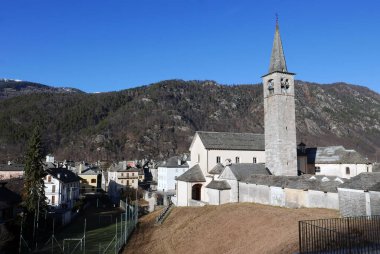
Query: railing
x=160, y=218
x=340, y=235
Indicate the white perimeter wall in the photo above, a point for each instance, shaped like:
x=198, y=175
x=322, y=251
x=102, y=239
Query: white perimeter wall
x=218, y=197
x=292, y=198
x=359, y=202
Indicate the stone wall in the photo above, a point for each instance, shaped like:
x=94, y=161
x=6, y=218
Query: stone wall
x=352, y=202
x=286, y=197
x=358, y=202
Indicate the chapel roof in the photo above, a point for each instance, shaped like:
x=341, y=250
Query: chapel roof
x=194, y=174
x=217, y=169
x=218, y=185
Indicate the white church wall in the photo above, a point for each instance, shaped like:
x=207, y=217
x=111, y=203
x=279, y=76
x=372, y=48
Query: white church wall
x=277, y=196
x=244, y=156
x=198, y=154
x=183, y=192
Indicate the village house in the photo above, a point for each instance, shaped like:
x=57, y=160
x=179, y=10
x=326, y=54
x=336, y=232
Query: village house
x=168, y=170
x=61, y=188
x=120, y=177
x=11, y=170
x=90, y=179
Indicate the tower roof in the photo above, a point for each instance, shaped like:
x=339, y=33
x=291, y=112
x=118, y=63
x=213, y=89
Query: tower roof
x=277, y=59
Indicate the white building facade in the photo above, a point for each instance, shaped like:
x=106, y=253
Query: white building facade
x=168, y=171
x=62, y=188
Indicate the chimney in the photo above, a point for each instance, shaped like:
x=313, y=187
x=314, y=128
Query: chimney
x=179, y=162
x=9, y=163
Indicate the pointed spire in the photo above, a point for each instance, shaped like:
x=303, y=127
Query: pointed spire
x=277, y=60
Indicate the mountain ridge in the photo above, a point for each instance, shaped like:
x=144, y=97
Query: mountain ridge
x=159, y=120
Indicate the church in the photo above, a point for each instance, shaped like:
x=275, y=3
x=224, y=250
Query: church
x=264, y=168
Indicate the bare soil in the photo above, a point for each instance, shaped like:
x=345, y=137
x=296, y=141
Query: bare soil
x=230, y=228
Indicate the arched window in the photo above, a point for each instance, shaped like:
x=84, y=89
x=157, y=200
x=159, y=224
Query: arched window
x=237, y=160
x=254, y=160
x=284, y=85
x=347, y=170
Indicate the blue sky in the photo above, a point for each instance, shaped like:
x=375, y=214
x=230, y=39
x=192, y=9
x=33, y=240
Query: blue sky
x=98, y=45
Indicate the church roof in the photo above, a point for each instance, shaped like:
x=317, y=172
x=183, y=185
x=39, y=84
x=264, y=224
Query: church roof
x=277, y=60
x=217, y=169
x=218, y=185
x=232, y=141
x=194, y=174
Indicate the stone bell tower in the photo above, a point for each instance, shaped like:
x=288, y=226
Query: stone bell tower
x=279, y=114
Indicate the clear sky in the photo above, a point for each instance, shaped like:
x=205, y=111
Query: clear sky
x=99, y=45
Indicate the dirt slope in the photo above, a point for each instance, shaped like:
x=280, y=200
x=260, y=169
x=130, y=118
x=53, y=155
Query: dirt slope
x=231, y=228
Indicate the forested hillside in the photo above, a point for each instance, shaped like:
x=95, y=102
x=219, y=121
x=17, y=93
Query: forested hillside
x=159, y=120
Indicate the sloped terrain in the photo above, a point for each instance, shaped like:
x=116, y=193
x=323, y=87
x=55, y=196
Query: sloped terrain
x=230, y=228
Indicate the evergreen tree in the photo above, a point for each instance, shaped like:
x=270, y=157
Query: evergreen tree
x=34, y=199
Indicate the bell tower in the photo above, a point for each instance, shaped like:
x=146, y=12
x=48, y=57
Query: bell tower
x=279, y=113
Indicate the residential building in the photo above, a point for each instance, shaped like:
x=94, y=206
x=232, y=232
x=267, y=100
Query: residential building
x=61, y=187
x=90, y=179
x=168, y=170
x=11, y=170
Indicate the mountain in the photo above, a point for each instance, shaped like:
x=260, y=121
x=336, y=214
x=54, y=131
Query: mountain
x=11, y=88
x=159, y=120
